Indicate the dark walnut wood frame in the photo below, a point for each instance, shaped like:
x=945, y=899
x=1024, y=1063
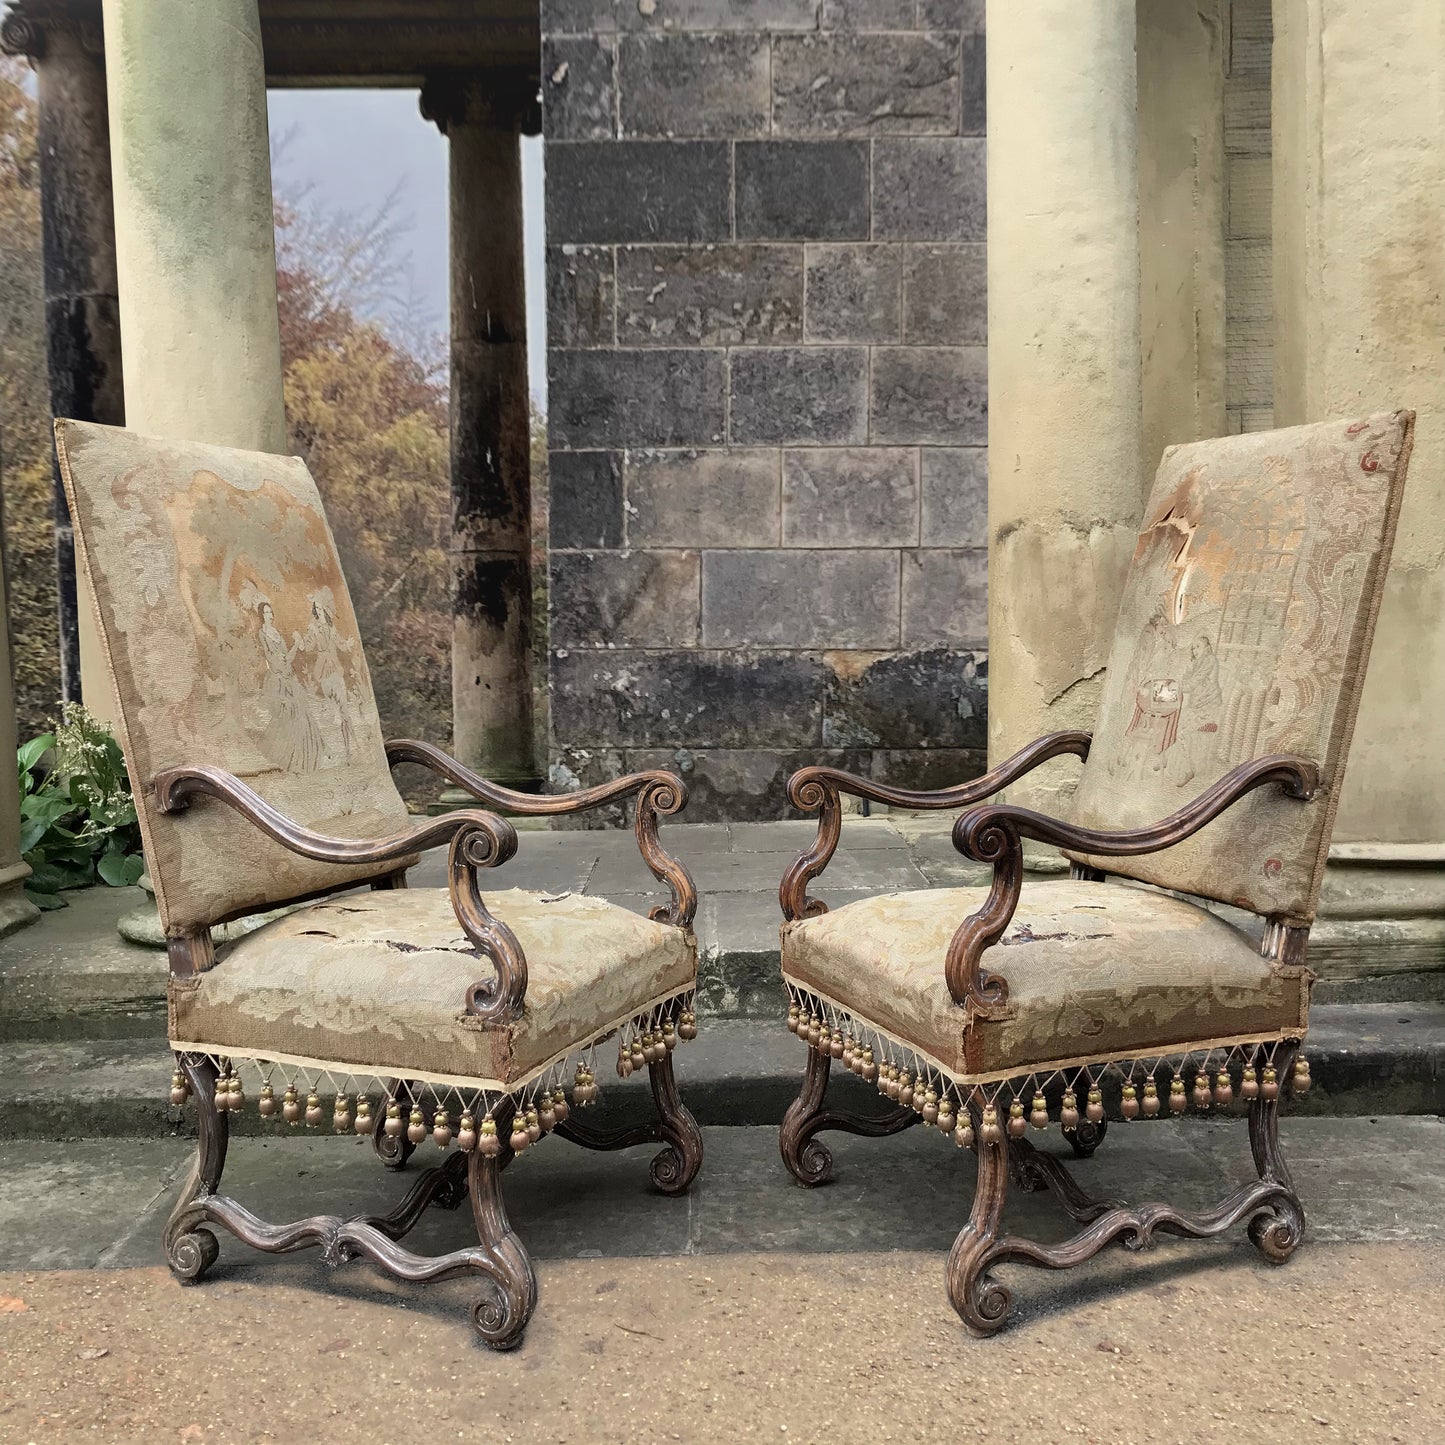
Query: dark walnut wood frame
x=994, y=833
x=477, y=838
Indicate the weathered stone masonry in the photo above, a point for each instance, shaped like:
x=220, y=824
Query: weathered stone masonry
x=767, y=393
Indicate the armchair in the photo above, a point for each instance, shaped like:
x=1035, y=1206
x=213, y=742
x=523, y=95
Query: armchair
x=466, y=1017
x=1213, y=775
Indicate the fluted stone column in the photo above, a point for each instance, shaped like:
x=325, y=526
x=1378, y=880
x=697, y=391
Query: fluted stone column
x=1065, y=443
x=1359, y=284
x=195, y=246
x=82, y=324
x=484, y=117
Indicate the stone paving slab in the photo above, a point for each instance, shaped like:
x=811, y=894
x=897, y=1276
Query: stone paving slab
x=1193, y=1345
x=104, y=1200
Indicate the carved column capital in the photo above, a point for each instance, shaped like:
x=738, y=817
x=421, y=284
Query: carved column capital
x=29, y=29
x=497, y=99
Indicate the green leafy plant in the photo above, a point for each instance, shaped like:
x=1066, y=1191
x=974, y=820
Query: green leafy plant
x=77, y=819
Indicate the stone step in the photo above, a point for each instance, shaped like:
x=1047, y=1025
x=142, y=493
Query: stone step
x=1364, y=1059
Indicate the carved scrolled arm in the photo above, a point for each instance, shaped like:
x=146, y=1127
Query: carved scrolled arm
x=658, y=792
x=817, y=789
x=994, y=833
x=477, y=839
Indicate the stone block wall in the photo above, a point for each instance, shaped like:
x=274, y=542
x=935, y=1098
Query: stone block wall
x=767, y=390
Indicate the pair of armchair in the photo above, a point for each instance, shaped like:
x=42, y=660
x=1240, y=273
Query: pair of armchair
x=251, y=735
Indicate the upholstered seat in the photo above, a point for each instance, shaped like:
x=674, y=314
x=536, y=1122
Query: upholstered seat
x=378, y=981
x=1096, y=971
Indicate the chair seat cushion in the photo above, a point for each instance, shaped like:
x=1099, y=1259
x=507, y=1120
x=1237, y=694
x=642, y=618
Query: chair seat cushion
x=1095, y=971
x=375, y=982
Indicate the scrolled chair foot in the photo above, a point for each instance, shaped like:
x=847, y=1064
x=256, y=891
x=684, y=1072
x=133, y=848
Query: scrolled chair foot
x=500, y=1317
x=1276, y=1232
x=190, y=1249
x=676, y=1165
x=808, y=1159
x=190, y=1255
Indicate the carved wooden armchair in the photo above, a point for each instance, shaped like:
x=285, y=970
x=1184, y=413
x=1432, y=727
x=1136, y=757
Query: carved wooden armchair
x=426, y=1017
x=1214, y=772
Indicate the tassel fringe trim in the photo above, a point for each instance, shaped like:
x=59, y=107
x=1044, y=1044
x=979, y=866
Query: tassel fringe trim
x=1210, y=1078
x=290, y=1092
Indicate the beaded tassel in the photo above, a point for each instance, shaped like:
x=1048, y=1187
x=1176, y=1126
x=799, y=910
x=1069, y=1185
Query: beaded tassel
x=905, y=1090
x=669, y=1035
x=1094, y=1108
x=1249, y=1083
x=560, y=1107
x=534, y=1126
x=1129, y=1105
x=341, y=1115
x=1017, y=1125
x=963, y=1135
x=180, y=1090
x=946, y=1117
x=364, y=1122
x=1301, y=1076
x=467, y=1132
x=1203, y=1095
x=267, y=1105
x=1223, y=1089
x=441, y=1129
x=930, y=1106
x=393, y=1125
x=547, y=1115
x=1151, y=1099
x=869, y=1068
x=521, y=1139
x=415, y=1125
x=490, y=1142
x=291, y=1106
x=1039, y=1111
x=794, y=1016
x=1269, y=1089
x=1069, y=1113
x=313, y=1109
x=1177, y=1102
x=687, y=1025
x=992, y=1134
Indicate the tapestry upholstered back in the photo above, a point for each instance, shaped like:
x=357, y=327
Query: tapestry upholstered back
x=230, y=638
x=1246, y=617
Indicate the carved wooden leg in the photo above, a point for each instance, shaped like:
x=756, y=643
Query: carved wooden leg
x=394, y=1149
x=676, y=1166
x=1086, y=1136
x=502, y=1313
x=191, y=1249
x=982, y=1303
x=1276, y=1232
x=809, y=1160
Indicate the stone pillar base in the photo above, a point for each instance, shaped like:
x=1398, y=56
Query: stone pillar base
x=16, y=910
x=1381, y=915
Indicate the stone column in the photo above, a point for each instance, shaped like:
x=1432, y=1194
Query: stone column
x=1064, y=430
x=1181, y=222
x=82, y=325
x=195, y=248
x=1359, y=284
x=484, y=117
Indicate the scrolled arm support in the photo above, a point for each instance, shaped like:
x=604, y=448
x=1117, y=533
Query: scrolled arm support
x=818, y=789
x=658, y=794
x=994, y=833
x=477, y=840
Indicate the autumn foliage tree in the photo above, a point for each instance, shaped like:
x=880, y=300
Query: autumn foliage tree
x=367, y=411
